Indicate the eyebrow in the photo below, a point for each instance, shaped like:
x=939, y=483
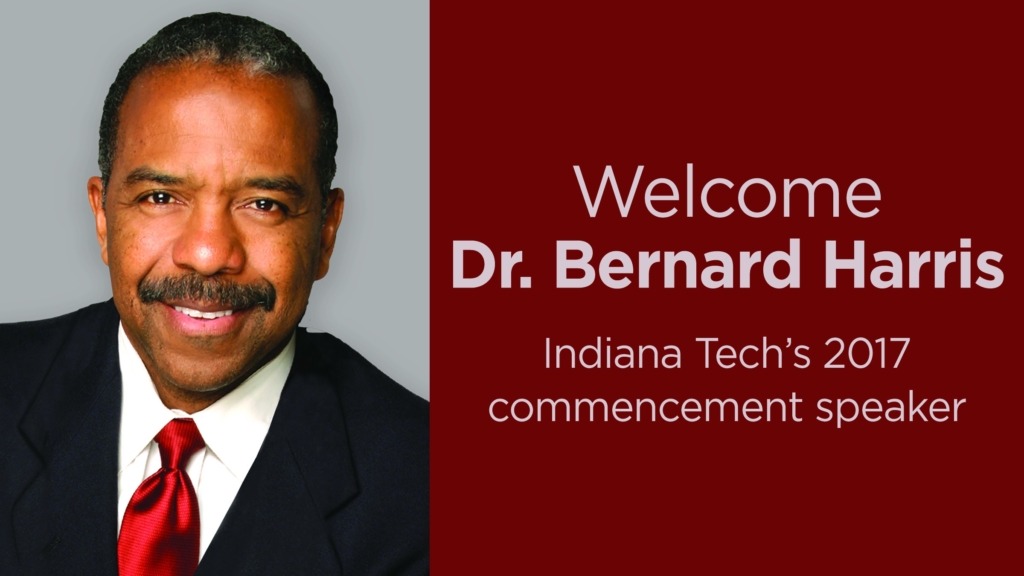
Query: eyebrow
x=147, y=174
x=285, y=184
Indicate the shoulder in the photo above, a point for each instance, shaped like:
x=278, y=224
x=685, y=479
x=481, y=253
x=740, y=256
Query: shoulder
x=364, y=389
x=29, y=349
x=365, y=382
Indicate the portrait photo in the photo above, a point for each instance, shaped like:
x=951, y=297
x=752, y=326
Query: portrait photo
x=214, y=328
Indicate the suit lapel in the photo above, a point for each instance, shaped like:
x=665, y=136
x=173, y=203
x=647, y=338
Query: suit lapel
x=65, y=521
x=302, y=474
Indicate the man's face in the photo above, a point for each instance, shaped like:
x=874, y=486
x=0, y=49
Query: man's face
x=213, y=210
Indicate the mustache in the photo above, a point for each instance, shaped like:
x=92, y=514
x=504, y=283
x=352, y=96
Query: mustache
x=208, y=289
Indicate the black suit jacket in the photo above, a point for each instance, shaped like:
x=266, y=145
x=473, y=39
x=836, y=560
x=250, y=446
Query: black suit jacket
x=340, y=484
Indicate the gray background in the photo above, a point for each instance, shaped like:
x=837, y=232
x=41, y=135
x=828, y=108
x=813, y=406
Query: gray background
x=58, y=61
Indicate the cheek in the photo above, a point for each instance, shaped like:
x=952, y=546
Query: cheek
x=284, y=257
x=135, y=247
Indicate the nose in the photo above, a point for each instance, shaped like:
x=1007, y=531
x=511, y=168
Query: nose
x=209, y=242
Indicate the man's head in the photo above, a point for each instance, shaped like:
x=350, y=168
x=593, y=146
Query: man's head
x=214, y=209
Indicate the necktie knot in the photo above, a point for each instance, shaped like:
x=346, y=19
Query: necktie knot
x=178, y=441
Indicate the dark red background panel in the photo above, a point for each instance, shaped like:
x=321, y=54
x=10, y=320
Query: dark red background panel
x=924, y=101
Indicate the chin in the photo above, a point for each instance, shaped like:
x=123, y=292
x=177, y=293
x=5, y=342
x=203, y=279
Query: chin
x=203, y=379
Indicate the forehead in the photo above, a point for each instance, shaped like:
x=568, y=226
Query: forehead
x=187, y=116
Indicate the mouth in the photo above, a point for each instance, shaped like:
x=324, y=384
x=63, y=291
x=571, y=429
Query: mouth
x=198, y=319
x=193, y=313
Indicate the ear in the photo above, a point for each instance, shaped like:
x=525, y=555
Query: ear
x=99, y=212
x=329, y=231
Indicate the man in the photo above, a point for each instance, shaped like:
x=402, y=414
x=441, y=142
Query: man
x=188, y=426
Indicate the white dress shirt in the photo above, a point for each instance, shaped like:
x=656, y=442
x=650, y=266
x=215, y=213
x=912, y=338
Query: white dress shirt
x=233, y=429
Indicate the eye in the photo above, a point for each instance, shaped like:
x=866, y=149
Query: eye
x=266, y=205
x=158, y=198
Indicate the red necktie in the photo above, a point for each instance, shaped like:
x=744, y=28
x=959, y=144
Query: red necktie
x=160, y=530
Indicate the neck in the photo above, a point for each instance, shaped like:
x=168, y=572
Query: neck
x=190, y=401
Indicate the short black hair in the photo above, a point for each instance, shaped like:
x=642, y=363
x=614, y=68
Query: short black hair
x=224, y=40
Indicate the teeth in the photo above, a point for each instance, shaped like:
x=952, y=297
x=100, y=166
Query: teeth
x=203, y=315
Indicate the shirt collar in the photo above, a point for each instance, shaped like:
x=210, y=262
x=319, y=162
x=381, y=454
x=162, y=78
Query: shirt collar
x=233, y=427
